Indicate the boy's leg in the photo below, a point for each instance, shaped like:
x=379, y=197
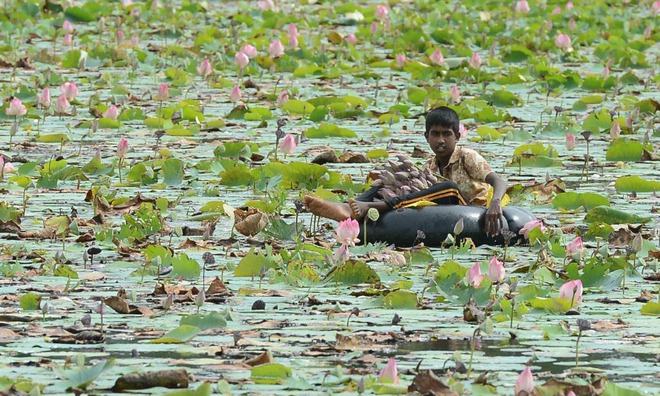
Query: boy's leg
x=443, y=193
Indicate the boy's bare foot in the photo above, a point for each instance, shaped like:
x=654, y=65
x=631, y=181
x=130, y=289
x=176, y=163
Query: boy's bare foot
x=329, y=210
x=359, y=209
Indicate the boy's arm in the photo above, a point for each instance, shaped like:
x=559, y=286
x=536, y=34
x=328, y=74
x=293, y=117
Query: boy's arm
x=494, y=214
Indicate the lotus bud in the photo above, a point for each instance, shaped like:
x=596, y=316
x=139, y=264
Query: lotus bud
x=458, y=227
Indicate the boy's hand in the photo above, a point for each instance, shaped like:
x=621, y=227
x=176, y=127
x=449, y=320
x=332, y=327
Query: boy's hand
x=494, y=218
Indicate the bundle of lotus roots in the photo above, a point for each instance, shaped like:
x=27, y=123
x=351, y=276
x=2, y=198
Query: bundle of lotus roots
x=398, y=178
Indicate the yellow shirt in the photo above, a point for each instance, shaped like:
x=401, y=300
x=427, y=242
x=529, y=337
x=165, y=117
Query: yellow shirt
x=468, y=169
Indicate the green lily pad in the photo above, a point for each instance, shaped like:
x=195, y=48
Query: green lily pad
x=180, y=335
x=636, y=184
x=608, y=215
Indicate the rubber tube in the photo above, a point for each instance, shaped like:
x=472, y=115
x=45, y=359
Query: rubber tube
x=400, y=227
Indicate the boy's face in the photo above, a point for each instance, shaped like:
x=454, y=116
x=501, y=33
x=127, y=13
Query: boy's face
x=442, y=141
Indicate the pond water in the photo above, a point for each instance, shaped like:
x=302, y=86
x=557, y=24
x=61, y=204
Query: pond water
x=330, y=334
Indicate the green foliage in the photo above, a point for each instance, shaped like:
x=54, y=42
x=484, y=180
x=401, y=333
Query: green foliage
x=81, y=377
x=401, y=299
x=270, y=373
x=251, y=264
x=185, y=267
x=329, y=130
x=626, y=150
x=636, y=184
x=353, y=272
x=572, y=200
x=212, y=320
x=608, y=215
x=30, y=302
x=180, y=335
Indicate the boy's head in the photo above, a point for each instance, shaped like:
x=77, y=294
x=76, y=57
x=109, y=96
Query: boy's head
x=443, y=116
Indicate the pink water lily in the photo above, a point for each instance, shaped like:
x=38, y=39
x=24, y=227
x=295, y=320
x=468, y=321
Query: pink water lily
x=474, y=276
x=615, y=130
x=16, y=108
x=656, y=7
x=62, y=104
x=475, y=61
x=462, y=130
x=69, y=90
x=437, y=58
x=347, y=232
x=163, y=92
x=276, y=49
x=525, y=383
x=67, y=26
x=282, y=98
x=342, y=254
x=389, y=373
x=522, y=6
x=67, y=39
x=122, y=148
x=400, y=60
x=575, y=247
x=235, y=94
x=455, y=95
x=374, y=28
x=241, y=60
x=288, y=144
x=382, y=12
x=563, y=41
x=249, y=50
x=43, y=98
x=293, y=36
x=112, y=112
x=351, y=39
x=496, y=270
x=569, y=5
x=570, y=141
x=529, y=226
x=572, y=291
x=205, y=69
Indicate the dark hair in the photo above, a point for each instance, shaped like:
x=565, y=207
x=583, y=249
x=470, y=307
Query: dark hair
x=443, y=116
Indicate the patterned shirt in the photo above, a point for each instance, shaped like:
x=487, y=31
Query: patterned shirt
x=468, y=169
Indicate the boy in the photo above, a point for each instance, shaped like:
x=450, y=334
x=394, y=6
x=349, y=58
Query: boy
x=466, y=178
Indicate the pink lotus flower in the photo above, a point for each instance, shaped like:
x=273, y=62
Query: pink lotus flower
x=16, y=108
x=570, y=141
x=70, y=90
x=572, y=291
x=163, y=92
x=563, y=41
x=67, y=27
x=282, y=98
x=437, y=58
x=241, y=60
x=120, y=36
x=529, y=226
x=475, y=61
x=266, y=5
x=455, y=95
x=276, y=49
x=525, y=383
x=397, y=259
x=374, y=28
x=288, y=144
x=135, y=39
x=649, y=30
x=62, y=104
x=556, y=10
x=606, y=72
x=462, y=130
x=496, y=270
x=400, y=60
x=249, y=50
x=8, y=167
x=293, y=36
x=569, y=5
x=522, y=6
x=347, y=232
x=570, y=393
x=235, y=94
x=615, y=131
x=112, y=112
x=205, y=69
x=127, y=2
x=575, y=247
x=656, y=7
x=474, y=276
x=43, y=98
x=122, y=148
x=351, y=39
x=572, y=25
x=67, y=39
x=342, y=254
x=389, y=373
x=381, y=12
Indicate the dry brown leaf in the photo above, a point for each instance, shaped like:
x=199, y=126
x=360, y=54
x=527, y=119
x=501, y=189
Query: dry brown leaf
x=350, y=157
x=217, y=286
x=428, y=383
x=10, y=227
x=152, y=379
x=249, y=222
x=263, y=358
x=190, y=244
